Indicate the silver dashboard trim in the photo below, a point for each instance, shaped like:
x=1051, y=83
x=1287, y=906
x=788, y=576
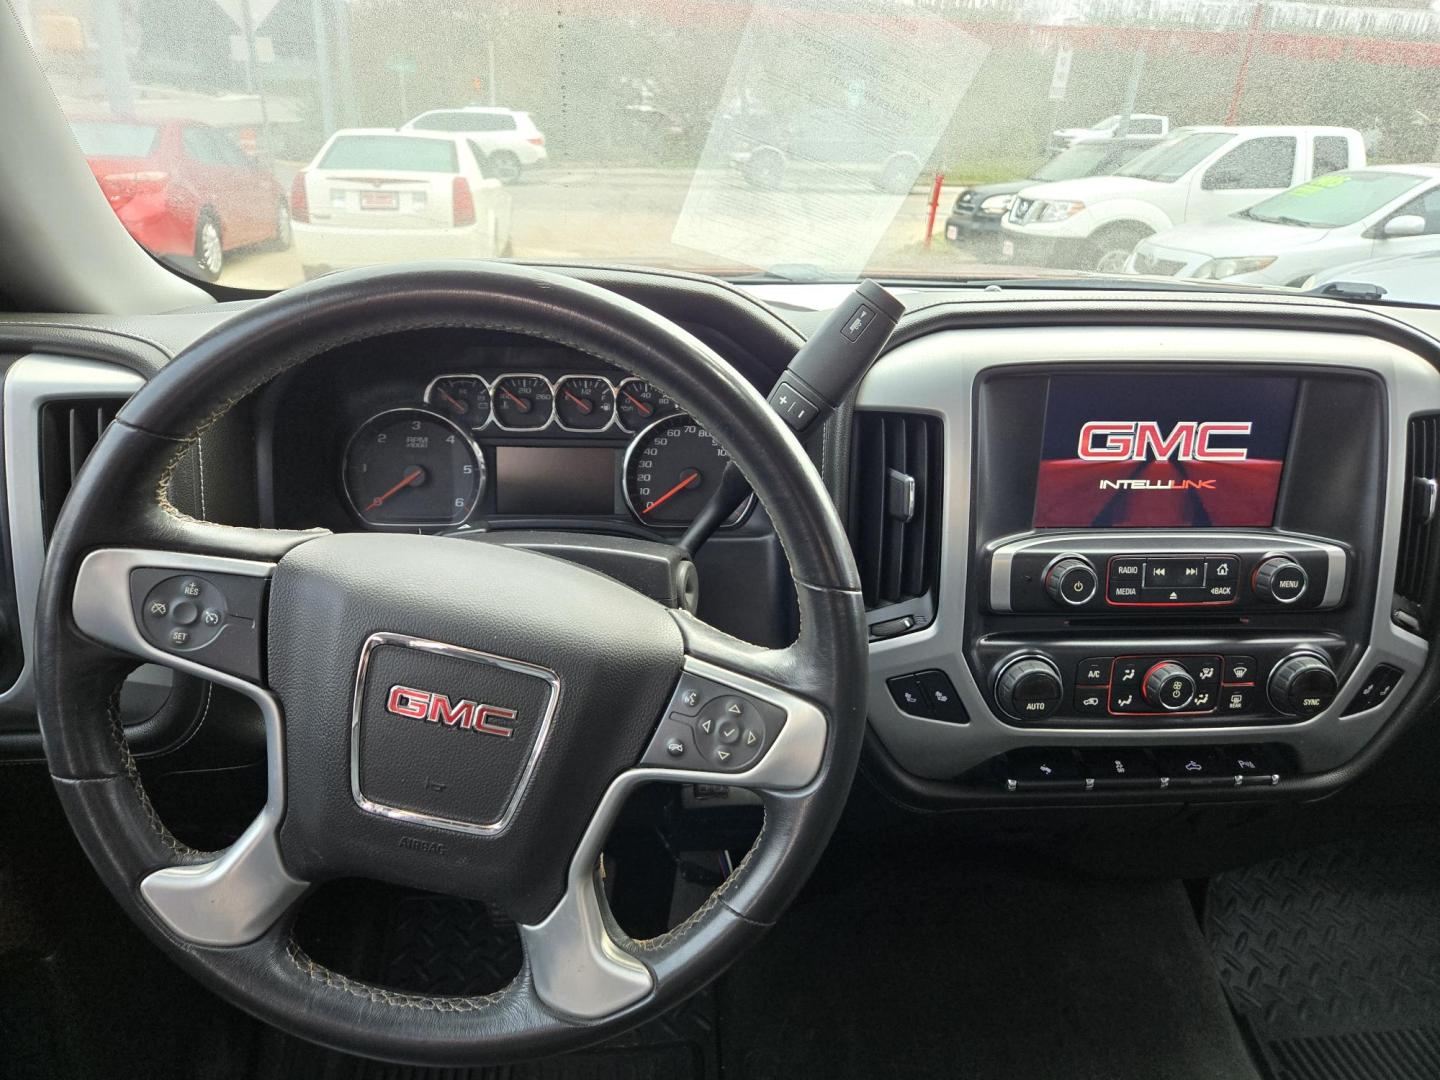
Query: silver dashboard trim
x=935, y=375
x=30, y=383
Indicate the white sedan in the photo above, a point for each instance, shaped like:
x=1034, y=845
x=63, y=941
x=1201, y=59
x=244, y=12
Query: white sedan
x=377, y=195
x=1334, y=219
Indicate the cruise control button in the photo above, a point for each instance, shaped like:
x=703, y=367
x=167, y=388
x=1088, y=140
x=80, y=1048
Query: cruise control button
x=1093, y=672
x=908, y=697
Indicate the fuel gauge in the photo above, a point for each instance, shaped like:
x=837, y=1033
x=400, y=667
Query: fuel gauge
x=584, y=403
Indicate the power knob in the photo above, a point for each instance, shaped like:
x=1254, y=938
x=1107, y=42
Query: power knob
x=1071, y=580
x=1169, y=686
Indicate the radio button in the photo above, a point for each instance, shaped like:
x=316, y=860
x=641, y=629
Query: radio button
x=1093, y=672
x=1174, y=573
x=1127, y=570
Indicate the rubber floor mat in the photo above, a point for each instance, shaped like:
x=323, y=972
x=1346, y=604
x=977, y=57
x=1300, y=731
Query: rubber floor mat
x=1331, y=958
x=449, y=946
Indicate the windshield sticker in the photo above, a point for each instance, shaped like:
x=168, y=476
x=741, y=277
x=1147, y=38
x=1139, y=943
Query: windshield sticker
x=1319, y=184
x=825, y=125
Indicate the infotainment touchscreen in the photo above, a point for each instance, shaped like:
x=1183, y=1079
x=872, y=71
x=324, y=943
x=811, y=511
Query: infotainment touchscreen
x=1163, y=450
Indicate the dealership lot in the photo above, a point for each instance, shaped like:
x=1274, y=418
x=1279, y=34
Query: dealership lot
x=574, y=213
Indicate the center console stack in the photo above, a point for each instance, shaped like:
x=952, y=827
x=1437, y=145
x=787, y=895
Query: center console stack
x=1155, y=551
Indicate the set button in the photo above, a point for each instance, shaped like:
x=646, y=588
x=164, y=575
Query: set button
x=183, y=613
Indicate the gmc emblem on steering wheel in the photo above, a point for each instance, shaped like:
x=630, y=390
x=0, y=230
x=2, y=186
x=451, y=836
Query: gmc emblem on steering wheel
x=439, y=709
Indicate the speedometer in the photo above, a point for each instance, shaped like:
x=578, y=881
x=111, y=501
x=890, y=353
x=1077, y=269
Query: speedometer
x=412, y=468
x=671, y=470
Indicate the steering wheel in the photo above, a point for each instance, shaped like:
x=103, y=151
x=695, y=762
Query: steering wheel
x=442, y=715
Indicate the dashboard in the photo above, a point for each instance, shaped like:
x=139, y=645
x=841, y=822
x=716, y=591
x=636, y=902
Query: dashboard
x=1113, y=549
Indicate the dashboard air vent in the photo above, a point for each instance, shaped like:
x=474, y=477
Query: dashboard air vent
x=1414, y=577
x=895, y=509
x=69, y=430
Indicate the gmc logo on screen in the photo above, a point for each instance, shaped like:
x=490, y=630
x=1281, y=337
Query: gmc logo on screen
x=1141, y=440
x=439, y=709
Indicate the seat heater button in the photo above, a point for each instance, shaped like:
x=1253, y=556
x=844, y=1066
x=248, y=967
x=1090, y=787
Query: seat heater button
x=908, y=695
x=940, y=693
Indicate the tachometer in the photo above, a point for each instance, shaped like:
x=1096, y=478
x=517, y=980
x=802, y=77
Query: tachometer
x=671, y=470
x=412, y=468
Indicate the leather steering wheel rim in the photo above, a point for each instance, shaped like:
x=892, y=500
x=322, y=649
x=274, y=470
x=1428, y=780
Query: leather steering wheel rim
x=118, y=516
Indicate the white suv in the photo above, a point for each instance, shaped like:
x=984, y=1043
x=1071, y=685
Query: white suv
x=509, y=138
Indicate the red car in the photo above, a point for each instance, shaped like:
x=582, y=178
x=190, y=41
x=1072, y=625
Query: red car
x=185, y=189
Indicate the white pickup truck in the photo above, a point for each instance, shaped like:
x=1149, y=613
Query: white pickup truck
x=1196, y=174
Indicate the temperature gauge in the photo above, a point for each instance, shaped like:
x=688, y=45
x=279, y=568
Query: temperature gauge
x=523, y=402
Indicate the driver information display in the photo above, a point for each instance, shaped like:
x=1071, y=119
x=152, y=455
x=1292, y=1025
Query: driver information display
x=1163, y=451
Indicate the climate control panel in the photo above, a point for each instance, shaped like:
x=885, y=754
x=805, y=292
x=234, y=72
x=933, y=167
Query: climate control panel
x=1089, y=573
x=1276, y=680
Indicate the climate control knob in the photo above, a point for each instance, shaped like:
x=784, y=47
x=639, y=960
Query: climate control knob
x=1029, y=688
x=1280, y=580
x=1169, y=686
x=1302, y=685
x=1072, y=581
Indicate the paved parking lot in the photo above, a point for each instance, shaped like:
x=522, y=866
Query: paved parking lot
x=628, y=214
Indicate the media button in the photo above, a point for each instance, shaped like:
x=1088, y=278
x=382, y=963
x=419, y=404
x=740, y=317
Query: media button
x=1174, y=573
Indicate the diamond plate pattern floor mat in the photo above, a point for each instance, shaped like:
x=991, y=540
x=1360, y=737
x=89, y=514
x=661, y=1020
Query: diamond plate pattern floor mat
x=1331, y=958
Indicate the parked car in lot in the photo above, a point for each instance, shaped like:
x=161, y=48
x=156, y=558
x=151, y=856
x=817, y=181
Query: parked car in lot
x=1142, y=125
x=1197, y=174
x=1328, y=221
x=820, y=147
x=184, y=189
x=376, y=195
x=978, y=211
x=509, y=138
x=1396, y=279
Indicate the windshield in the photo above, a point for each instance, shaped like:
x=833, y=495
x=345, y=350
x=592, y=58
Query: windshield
x=394, y=153
x=1087, y=159
x=1327, y=202
x=1173, y=158
x=817, y=140
x=108, y=138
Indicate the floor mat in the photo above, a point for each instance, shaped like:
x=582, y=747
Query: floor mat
x=1331, y=957
x=977, y=968
x=445, y=945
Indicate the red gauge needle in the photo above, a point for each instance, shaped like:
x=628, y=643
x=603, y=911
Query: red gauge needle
x=585, y=406
x=687, y=481
x=460, y=406
x=410, y=478
x=645, y=410
x=520, y=403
